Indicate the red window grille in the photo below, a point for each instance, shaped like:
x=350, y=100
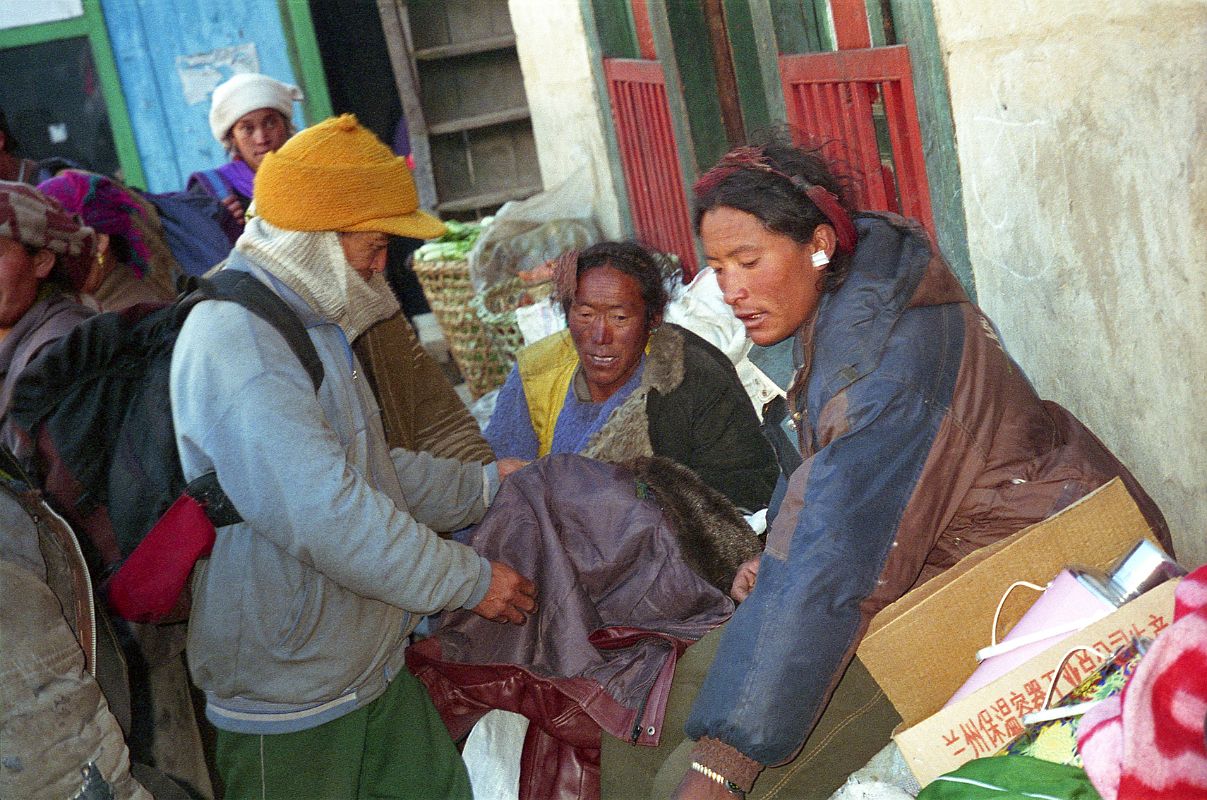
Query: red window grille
x=836, y=98
x=649, y=157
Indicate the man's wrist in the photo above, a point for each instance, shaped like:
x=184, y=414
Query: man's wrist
x=732, y=765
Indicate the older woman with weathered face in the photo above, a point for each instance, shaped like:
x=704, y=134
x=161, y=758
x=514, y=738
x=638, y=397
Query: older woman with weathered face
x=610, y=322
x=620, y=384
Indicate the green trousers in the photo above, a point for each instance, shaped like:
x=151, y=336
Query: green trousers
x=857, y=723
x=395, y=747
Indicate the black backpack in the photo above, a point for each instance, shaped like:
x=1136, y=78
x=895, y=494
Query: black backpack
x=96, y=406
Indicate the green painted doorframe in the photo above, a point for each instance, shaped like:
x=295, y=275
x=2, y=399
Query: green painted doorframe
x=307, y=62
x=914, y=24
x=92, y=27
x=679, y=111
x=608, y=25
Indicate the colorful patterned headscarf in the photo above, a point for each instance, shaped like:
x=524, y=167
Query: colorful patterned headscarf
x=36, y=220
x=109, y=208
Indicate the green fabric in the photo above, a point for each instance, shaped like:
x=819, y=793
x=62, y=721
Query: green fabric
x=1011, y=778
x=856, y=725
x=395, y=747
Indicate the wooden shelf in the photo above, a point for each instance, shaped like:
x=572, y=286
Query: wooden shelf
x=459, y=204
x=478, y=121
x=465, y=48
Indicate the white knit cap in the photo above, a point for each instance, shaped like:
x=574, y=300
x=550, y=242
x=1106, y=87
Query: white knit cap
x=245, y=93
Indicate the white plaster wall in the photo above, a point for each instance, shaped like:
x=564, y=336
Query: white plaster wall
x=1082, y=142
x=15, y=13
x=565, y=106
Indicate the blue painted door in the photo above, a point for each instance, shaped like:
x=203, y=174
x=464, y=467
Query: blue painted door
x=170, y=55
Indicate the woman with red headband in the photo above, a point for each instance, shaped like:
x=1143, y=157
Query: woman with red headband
x=919, y=440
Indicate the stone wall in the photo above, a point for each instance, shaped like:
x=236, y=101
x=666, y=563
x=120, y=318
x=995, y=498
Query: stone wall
x=1081, y=135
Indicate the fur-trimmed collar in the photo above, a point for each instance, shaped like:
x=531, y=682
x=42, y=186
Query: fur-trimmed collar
x=626, y=434
x=664, y=363
x=713, y=536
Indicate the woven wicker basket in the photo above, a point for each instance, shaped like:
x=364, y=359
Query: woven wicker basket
x=447, y=287
x=496, y=307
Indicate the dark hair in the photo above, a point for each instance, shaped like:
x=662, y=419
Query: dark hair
x=632, y=259
x=776, y=201
x=10, y=141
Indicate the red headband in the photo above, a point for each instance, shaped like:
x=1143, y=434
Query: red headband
x=748, y=157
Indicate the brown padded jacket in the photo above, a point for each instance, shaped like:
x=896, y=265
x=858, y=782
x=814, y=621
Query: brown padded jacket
x=922, y=441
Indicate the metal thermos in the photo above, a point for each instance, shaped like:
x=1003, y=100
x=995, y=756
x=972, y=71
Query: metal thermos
x=1076, y=597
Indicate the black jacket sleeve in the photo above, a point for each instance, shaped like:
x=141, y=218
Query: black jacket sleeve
x=708, y=423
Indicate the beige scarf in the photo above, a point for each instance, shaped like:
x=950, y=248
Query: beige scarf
x=313, y=264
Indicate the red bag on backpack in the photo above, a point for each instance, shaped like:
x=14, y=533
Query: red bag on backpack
x=150, y=586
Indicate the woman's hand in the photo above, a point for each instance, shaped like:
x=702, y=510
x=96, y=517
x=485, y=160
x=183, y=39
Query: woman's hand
x=509, y=465
x=510, y=598
x=235, y=207
x=743, y=582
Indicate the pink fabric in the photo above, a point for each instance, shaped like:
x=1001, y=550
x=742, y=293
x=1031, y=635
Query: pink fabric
x=1147, y=743
x=104, y=206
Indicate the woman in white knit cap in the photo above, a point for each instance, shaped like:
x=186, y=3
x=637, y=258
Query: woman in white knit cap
x=250, y=115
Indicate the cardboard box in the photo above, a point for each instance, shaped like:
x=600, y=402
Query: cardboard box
x=923, y=647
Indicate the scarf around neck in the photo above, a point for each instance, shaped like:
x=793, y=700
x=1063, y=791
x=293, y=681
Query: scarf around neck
x=313, y=264
x=240, y=176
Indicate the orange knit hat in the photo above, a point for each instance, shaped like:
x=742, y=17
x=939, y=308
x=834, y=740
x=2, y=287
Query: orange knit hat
x=338, y=176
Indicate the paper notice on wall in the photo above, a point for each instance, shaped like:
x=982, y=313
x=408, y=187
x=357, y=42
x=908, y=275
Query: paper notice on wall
x=17, y=13
x=201, y=72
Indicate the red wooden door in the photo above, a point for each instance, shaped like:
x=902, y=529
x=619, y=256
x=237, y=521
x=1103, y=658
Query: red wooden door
x=841, y=98
x=650, y=158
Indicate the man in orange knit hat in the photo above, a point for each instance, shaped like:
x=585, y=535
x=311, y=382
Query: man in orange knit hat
x=301, y=614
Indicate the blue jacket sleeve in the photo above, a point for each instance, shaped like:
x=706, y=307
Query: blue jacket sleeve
x=787, y=644
x=510, y=432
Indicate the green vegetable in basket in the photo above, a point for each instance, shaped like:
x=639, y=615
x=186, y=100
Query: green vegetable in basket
x=454, y=245
x=460, y=230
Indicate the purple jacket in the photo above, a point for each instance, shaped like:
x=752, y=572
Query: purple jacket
x=611, y=552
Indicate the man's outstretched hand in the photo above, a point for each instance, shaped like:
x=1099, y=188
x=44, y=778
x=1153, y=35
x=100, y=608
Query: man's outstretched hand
x=510, y=598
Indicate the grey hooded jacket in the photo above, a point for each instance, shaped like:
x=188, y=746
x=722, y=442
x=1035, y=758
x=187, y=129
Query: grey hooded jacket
x=302, y=612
